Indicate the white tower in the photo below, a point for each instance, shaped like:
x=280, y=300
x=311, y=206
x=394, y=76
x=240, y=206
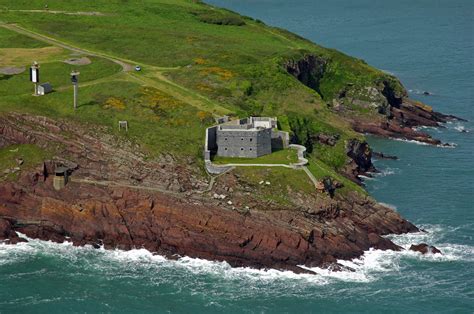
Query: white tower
x=34, y=76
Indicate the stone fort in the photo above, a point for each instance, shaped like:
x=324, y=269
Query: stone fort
x=246, y=138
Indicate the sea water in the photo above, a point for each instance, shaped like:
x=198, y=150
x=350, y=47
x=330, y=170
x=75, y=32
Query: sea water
x=429, y=45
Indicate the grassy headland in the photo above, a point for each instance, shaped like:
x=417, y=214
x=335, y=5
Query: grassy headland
x=198, y=62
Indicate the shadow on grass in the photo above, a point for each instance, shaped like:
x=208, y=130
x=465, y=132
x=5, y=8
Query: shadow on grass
x=87, y=104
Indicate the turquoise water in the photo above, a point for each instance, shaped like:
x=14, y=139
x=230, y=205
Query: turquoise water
x=429, y=44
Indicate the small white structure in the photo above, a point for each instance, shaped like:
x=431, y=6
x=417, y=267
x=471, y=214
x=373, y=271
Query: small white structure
x=44, y=89
x=264, y=122
x=123, y=125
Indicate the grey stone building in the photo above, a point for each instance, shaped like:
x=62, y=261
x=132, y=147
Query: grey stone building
x=246, y=138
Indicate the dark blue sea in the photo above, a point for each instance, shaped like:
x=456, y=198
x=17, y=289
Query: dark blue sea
x=429, y=45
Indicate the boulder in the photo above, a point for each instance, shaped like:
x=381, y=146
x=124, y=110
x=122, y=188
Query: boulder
x=7, y=234
x=326, y=139
x=424, y=248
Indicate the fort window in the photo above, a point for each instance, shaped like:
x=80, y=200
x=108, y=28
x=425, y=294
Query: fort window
x=242, y=139
x=251, y=139
x=241, y=148
x=225, y=139
x=225, y=148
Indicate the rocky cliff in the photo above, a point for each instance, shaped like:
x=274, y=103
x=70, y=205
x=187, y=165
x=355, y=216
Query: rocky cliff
x=380, y=107
x=110, y=201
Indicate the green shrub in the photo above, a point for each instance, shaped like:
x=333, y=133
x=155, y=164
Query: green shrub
x=220, y=19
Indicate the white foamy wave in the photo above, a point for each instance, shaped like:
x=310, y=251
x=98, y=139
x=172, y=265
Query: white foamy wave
x=430, y=128
x=389, y=206
x=388, y=72
x=372, y=176
x=386, y=172
x=461, y=128
x=447, y=145
x=409, y=141
x=365, y=178
x=104, y=260
x=434, y=235
x=420, y=92
x=371, y=266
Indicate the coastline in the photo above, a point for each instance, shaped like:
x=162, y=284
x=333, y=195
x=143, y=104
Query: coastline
x=170, y=219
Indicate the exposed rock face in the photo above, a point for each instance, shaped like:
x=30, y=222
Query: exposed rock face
x=398, y=116
x=424, y=248
x=99, y=155
x=383, y=156
x=330, y=185
x=124, y=218
x=115, y=209
x=309, y=70
x=361, y=159
x=394, y=97
x=326, y=139
x=7, y=234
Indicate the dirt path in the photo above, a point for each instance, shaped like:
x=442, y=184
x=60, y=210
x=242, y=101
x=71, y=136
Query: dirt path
x=122, y=185
x=89, y=13
x=126, y=67
x=157, y=79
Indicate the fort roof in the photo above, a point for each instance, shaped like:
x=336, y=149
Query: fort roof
x=249, y=124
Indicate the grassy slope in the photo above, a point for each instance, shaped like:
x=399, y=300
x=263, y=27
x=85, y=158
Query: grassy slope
x=284, y=156
x=9, y=156
x=235, y=69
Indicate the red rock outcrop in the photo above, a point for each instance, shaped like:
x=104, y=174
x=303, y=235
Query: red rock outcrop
x=424, y=248
x=169, y=211
x=126, y=219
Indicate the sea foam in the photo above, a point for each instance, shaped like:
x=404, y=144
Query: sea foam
x=371, y=266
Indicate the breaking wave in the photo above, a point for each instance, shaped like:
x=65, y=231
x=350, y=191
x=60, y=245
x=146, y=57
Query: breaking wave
x=447, y=145
x=371, y=266
x=458, y=126
x=386, y=172
x=395, y=208
x=409, y=141
x=420, y=92
x=373, y=176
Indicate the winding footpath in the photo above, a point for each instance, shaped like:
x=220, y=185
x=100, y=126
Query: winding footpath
x=213, y=168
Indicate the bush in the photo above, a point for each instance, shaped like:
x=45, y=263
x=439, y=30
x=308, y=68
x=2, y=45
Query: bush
x=221, y=19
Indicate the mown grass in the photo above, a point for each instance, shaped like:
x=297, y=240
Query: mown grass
x=31, y=155
x=284, y=156
x=57, y=73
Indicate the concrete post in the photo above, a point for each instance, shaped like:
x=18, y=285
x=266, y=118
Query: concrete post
x=75, y=96
x=75, y=83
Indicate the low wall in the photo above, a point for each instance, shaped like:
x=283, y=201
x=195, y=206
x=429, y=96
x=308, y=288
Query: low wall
x=210, y=144
x=280, y=140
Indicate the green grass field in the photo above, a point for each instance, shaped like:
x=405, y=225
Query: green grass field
x=283, y=182
x=284, y=156
x=31, y=156
x=198, y=62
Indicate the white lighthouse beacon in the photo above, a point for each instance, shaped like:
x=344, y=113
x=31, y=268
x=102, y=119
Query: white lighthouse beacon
x=34, y=76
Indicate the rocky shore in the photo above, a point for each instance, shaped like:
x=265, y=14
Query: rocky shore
x=116, y=198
